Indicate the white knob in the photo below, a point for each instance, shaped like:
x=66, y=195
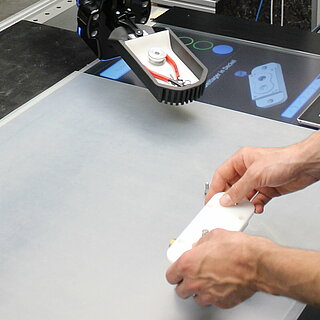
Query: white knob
x=156, y=56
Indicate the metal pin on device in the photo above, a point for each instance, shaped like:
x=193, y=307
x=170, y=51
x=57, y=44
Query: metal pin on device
x=206, y=188
x=204, y=232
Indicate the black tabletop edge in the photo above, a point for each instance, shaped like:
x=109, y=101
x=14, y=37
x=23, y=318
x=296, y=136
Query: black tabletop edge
x=285, y=37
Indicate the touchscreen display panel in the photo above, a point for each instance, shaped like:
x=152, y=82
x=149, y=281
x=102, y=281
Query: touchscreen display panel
x=267, y=81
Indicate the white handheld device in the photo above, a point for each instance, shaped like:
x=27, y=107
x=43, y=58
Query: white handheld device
x=212, y=216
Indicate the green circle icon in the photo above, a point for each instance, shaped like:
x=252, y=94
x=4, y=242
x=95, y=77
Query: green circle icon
x=189, y=40
x=203, y=45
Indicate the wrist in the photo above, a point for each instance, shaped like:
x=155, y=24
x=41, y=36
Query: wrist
x=307, y=154
x=263, y=251
x=289, y=272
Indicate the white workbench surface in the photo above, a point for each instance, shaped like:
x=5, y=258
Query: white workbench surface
x=97, y=177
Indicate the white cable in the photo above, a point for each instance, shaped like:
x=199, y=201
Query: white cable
x=282, y=12
x=271, y=11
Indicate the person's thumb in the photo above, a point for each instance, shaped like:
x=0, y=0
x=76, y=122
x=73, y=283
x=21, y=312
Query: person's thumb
x=237, y=192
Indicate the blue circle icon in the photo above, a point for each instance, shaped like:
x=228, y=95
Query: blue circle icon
x=240, y=73
x=222, y=49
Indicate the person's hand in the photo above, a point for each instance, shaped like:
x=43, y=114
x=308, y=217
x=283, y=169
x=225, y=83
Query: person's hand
x=219, y=270
x=267, y=173
x=225, y=268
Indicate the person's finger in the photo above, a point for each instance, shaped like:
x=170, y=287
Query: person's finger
x=224, y=176
x=211, y=192
x=258, y=208
x=259, y=201
x=252, y=194
x=203, y=300
x=218, y=184
x=186, y=289
x=173, y=275
x=244, y=186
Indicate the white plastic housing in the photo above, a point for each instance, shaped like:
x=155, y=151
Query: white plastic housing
x=212, y=216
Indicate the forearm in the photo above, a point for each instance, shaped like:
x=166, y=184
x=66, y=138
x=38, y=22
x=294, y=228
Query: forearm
x=289, y=272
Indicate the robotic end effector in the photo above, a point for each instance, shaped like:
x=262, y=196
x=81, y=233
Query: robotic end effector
x=116, y=27
x=98, y=18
